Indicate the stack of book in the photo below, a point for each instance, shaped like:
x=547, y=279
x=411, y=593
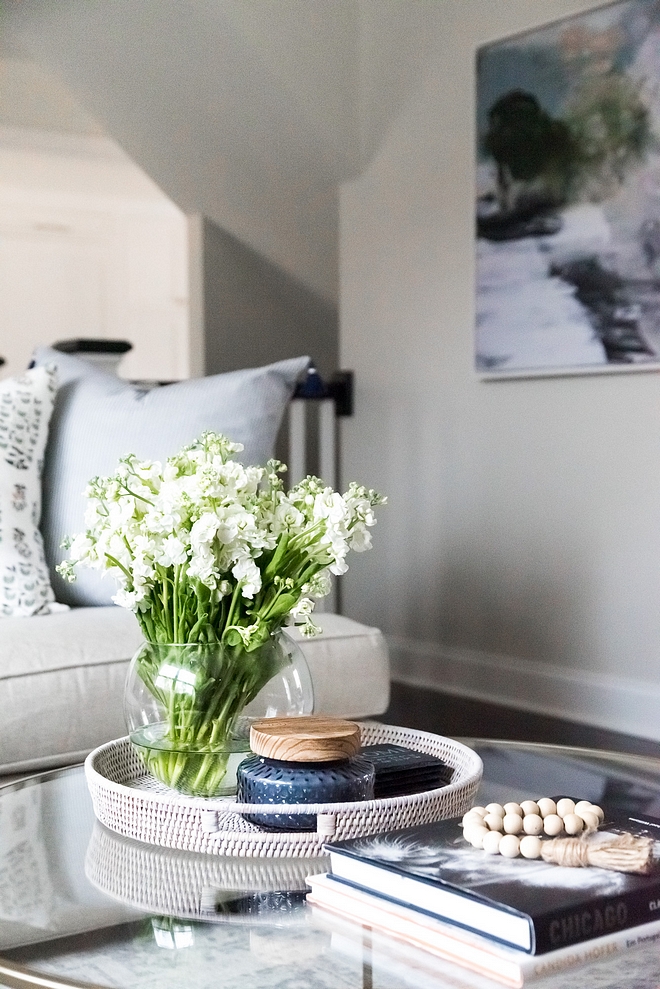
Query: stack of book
x=512, y=920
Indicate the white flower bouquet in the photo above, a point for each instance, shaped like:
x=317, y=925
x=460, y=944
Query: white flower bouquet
x=209, y=552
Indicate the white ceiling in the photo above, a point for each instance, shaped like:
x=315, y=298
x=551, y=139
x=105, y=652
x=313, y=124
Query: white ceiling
x=288, y=97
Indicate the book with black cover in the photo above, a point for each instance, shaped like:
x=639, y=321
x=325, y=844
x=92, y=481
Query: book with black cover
x=530, y=905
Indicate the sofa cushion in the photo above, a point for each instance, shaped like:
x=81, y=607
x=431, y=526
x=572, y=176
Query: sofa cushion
x=26, y=404
x=99, y=418
x=62, y=680
x=61, y=684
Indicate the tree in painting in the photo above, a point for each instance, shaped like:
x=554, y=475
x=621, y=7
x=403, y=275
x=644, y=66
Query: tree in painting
x=531, y=149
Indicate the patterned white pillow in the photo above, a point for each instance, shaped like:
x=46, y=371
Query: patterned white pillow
x=26, y=403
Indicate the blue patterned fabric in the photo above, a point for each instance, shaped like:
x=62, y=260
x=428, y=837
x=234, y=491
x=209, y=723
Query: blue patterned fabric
x=26, y=404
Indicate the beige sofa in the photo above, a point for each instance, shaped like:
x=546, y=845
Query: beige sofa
x=62, y=680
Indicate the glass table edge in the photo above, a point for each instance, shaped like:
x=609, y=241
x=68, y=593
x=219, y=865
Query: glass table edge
x=634, y=760
x=16, y=976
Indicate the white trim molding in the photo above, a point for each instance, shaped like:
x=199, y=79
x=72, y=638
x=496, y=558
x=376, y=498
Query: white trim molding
x=617, y=703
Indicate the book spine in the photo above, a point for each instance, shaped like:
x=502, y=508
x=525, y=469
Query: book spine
x=484, y=958
x=537, y=967
x=600, y=916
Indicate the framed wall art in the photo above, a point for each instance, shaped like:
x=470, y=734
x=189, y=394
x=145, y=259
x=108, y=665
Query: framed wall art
x=568, y=196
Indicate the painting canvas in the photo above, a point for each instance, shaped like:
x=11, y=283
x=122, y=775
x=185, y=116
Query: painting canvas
x=568, y=196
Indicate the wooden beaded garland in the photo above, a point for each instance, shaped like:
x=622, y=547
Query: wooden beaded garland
x=515, y=828
x=510, y=846
x=530, y=847
x=553, y=825
x=491, y=842
x=565, y=806
x=476, y=836
x=513, y=808
x=532, y=824
x=546, y=806
x=512, y=823
x=590, y=819
x=573, y=823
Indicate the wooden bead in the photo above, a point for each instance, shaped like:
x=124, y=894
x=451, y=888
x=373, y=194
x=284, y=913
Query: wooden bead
x=532, y=824
x=481, y=811
x=553, y=825
x=530, y=847
x=546, y=806
x=573, y=824
x=491, y=842
x=495, y=809
x=529, y=807
x=565, y=806
x=510, y=846
x=513, y=808
x=590, y=819
x=599, y=811
x=512, y=823
x=493, y=822
x=472, y=817
x=582, y=805
x=476, y=836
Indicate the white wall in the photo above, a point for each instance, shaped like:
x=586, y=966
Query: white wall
x=519, y=557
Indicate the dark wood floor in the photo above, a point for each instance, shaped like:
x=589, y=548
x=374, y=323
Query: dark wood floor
x=455, y=717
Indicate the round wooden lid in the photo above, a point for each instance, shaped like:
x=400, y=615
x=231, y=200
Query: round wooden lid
x=305, y=739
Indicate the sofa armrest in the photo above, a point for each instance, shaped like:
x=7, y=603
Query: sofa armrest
x=349, y=667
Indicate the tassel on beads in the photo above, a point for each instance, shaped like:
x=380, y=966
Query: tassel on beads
x=621, y=853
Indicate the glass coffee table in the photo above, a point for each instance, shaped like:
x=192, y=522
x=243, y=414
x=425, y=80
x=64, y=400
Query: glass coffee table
x=81, y=906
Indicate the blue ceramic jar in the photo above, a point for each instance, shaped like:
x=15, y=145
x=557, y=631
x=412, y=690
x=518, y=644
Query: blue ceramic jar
x=262, y=780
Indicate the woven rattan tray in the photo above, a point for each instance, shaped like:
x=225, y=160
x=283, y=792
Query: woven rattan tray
x=131, y=802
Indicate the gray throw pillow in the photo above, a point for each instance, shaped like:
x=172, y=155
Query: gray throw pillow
x=99, y=418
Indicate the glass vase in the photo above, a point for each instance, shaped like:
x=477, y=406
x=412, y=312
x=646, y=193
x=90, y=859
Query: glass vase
x=188, y=707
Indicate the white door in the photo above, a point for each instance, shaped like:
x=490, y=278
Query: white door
x=119, y=272
x=54, y=281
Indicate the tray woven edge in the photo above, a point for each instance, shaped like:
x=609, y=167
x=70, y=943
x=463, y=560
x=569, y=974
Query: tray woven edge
x=196, y=824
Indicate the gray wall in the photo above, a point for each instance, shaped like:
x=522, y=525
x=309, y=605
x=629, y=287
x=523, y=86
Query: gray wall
x=256, y=313
x=519, y=557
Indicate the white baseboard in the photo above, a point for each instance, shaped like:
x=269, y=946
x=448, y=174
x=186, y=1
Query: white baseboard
x=616, y=703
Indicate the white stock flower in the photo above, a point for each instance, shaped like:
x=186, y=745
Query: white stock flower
x=287, y=516
x=222, y=523
x=149, y=470
x=160, y=522
x=330, y=505
x=82, y=548
x=203, y=567
x=247, y=572
x=125, y=599
x=203, y=531
x=301, y=611
x=338, y=567
x=171, y=553
x=360, y=538
x=319, y=586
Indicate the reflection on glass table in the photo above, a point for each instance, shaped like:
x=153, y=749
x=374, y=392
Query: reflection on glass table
x=82, y=906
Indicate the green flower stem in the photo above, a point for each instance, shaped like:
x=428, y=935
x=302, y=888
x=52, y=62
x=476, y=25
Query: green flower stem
x=199, y=724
